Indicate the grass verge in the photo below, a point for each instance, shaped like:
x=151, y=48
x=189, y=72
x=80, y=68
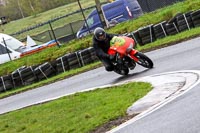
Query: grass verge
x=77, y=113
x=170, y=40
x=50, y=80
x=155, y=17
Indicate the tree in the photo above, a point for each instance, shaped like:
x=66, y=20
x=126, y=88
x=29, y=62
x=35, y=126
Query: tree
x=20, y=9
x=16, y=9
x=31, y=5
x=101, y=15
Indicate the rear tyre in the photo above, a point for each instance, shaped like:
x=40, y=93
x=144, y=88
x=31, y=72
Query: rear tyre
x=125, y=71
x=144, y=60
x=122, y=71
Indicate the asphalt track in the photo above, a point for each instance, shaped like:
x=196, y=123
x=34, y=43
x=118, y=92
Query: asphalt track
x=167, y=88
x=183, y=56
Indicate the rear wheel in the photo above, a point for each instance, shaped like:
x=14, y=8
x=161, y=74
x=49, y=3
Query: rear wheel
x=144, y=60
x=124, y=71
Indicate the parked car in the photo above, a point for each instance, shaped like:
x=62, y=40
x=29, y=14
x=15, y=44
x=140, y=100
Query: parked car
x=3, y=20
x=11, y=48
x=115, y=12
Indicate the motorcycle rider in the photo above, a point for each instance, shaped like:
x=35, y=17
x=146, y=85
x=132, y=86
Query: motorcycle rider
x=101, y=44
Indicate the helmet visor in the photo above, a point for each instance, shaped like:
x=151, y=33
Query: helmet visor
x=102, y=37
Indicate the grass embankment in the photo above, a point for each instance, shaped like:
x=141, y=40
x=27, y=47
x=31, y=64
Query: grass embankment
x=78, y=113
x=50, y=80
x=84, y=112
x=129, y=26
x=53, y=53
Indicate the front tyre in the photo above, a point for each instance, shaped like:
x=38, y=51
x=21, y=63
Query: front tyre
x=144, y=60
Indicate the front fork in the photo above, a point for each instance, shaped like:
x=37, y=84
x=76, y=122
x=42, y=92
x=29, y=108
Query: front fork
x=132, y=54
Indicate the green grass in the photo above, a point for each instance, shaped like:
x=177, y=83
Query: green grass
x=170, y=40
x=149, y=18
x=78, y=113
x=163, y=14
x=129, y=26
x=50, y=80
x=18, y=25
x=83, y=112
x=157, y=44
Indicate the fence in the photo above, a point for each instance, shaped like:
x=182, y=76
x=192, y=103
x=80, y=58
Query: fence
x=27, y=75
x=42, y=33
x=63, y=34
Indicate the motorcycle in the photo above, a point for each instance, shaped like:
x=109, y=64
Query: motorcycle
x=125, y=56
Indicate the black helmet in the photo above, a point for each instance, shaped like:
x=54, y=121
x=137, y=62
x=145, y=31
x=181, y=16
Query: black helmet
x=100, y=34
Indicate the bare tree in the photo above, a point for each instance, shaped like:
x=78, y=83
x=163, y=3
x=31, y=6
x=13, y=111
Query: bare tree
x=31, y=5
x=100, y=12
x=20, y=9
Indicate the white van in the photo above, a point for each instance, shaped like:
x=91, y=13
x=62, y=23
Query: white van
x=11, y=50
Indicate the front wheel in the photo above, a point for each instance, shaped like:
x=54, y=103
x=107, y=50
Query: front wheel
x=144, y=60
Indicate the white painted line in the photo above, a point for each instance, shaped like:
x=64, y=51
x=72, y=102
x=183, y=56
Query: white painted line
x=163, y=103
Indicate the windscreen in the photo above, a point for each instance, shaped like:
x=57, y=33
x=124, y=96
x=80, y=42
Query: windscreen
x=13, y=43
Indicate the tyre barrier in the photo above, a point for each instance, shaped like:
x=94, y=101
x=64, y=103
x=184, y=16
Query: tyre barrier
x=171, y=29
x=146, y=34
x=62, y=64
x=136, y=37
x=93, y=54
x=196, y=18
x=44, y=71
x=174, y=19
x=73, y=60
x=180, y=22
x=171, y=25
x=16, y=76
x=6, y=83
x=67, y=62
x=27, y=75
x=87, y=56
x=184, y=22
x=160, y=30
